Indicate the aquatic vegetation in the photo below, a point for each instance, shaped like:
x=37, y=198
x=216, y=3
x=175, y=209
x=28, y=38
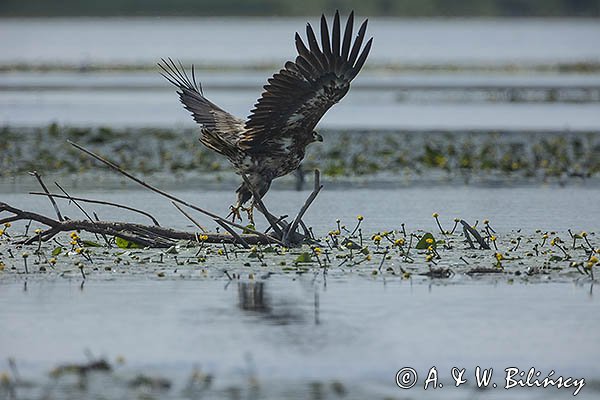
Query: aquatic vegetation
x=392, y=254
x=402, y=155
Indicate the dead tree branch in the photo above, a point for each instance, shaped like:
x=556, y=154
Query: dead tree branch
x=144, y=235
x=292, y=228
x=469, y=229
x=101, y=202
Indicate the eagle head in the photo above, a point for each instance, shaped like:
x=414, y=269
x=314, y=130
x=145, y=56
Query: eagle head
x=316, y=137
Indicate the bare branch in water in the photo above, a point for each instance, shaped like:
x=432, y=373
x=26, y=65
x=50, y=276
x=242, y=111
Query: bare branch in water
x=292, y=228
x=469, y=229
x=101, y=202
x=144, y=235
x=45, y=189
x=188, y=216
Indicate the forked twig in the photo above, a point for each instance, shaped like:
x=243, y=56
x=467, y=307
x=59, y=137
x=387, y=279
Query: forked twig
x=292, y=228
x=469, y=229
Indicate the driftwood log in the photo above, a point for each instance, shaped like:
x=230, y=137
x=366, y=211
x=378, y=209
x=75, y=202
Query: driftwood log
x=280, y=231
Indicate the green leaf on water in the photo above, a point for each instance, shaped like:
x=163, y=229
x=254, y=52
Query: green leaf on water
x=423, y=245
x=56, y=251
x=304, y=258
x=126, y=244
x=89, y=243
x=556, y=258
x=249, y=227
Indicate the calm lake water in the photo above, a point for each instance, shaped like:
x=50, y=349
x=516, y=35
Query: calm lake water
x=270, y=40
x=396, y=98
x=285, y=335
x=508, y=208
x=307, y=336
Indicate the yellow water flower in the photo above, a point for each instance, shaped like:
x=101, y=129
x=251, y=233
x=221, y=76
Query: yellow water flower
x=7, y=224
x=593, y=259
x=38, y=231
x=435, y=215
x=52, y=261
x=1, y=232
x=377, y=239
x=499, y=256
x=74, y=235
x=2, y=266
x=79, y=250
x=428, y=257
x=360, y=217
x=317, y=250
x=429, y=240
x=583, y=234
x=493, y=238
x=399, y=242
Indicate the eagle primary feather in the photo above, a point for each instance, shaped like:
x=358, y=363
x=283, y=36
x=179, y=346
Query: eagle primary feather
x=272, y=141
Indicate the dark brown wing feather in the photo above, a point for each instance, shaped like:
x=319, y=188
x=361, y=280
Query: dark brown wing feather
x=297, y=97
x=206, y=113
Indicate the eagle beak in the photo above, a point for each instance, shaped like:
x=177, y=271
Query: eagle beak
x=319, y=138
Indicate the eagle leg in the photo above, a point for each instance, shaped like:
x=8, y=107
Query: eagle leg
x=250, y=212
x=235, y=213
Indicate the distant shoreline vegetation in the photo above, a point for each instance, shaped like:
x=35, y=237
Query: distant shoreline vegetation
x=397, y=8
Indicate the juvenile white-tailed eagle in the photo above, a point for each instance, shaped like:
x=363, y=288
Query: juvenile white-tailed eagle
x=272, y=141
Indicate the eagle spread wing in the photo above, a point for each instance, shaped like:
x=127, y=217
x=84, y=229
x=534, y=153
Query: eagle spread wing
x=297, y=97
x=271, y=143
x=216, y=122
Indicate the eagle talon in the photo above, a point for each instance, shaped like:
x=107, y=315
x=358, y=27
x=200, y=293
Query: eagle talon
x=235, y=213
